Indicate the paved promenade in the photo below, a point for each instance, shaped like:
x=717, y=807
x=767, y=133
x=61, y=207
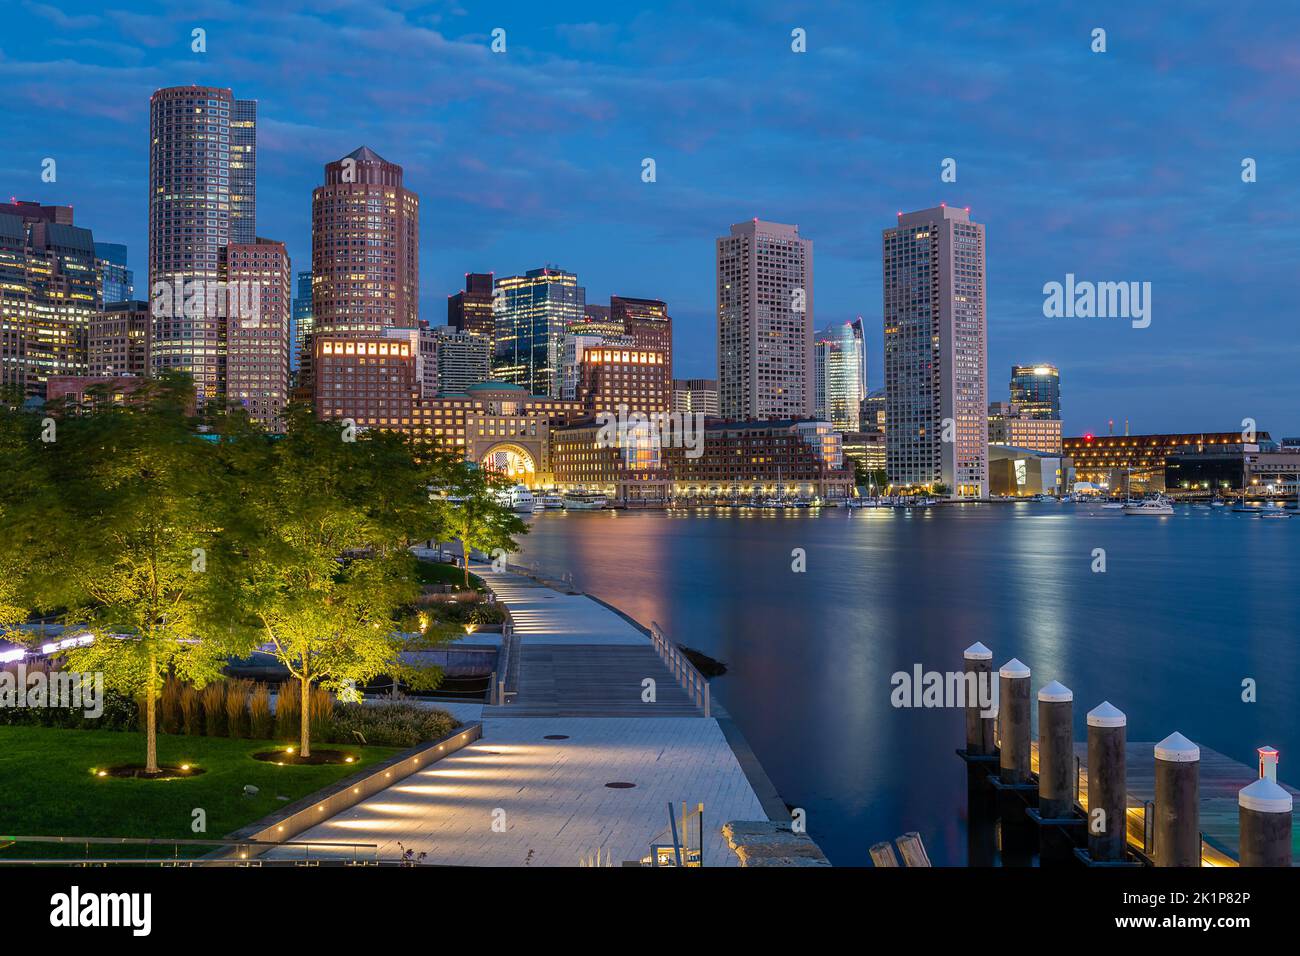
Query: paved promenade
x=516, y=798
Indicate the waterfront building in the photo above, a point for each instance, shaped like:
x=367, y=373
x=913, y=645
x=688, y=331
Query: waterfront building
x=839, y=375
x=461, y=360
x=1252, y=467
x=936, y=351
x=1008, y=425
x=49, y=290
x=192, y=220
x=696, y=396
x=611, y=379
x=365, y=247
x=118, y=339
x=498, y=425
x=1139, y=462
x=470, y=310
x=532, y=314
x=303, y=323
x=1021, y=472
x=765, y=322
x=866, y=449
x=116, y=281
x=1036, y=390
x=738, y=460
x=259, y=346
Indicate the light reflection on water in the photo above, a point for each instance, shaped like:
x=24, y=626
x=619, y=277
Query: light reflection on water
x=1188, y=607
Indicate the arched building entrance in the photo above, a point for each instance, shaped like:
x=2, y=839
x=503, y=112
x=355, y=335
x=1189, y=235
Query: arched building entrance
x=511, y=459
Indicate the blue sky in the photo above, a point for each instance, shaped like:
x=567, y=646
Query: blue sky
x=1115, y=166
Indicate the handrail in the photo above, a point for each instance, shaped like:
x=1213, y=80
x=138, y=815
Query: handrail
x=691, y=680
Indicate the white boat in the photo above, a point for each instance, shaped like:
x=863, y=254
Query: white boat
x=551, y=501
x=519, y=500
x=1218, y=503
x=1151, y=506
x=1273, y=511
x=583, y=500
x=1117, y=505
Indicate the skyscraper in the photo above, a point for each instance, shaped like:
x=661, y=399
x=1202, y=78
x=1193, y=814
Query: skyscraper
x=471, y=309
x=533, y=313
x=463, y=359
x=258, y=344
x=936, y=351
x=243, y=172
x=302, y=319
x=839, y=375
x=693, y=396
x=119, y=339
x=765, y=322
x=116, y=280
x=365, y=247
x=191, y=221
x=1036, y=390
x=49, y=291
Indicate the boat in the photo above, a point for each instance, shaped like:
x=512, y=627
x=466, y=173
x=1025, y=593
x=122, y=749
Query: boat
x=552, y=501
x=1218, y=503
x=519, y=500
x=1149, y=506
x=583, y=501
x=1273, y=511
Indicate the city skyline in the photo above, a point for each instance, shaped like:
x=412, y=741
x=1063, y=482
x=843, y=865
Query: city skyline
x=1057, y=200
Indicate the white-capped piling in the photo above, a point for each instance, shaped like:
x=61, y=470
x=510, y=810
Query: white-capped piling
x=1264, y=812
x=1178, y=802
x=1013, y=720
x=979, y=728
x=1055, y=751
x=1107, y=784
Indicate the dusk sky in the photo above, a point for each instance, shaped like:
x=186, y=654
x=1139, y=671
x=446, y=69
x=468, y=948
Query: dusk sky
x=1116, y=166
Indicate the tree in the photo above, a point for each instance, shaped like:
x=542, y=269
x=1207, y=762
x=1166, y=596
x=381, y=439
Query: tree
x=319, y=543
x=123, y=542
x=475, y=516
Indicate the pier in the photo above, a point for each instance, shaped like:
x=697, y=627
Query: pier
x=1183, y=804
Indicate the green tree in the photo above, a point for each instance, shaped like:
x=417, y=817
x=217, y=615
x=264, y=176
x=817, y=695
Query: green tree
x=319, y=543
x=475, y=516
x=119, y=544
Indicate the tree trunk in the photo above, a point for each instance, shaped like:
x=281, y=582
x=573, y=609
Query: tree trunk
x=464, y=550
x=151, y=718
x=304, y=747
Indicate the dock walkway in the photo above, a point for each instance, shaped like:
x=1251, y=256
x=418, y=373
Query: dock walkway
x=536, y=790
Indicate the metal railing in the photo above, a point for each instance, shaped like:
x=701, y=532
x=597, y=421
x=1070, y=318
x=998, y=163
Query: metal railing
x=692, y=681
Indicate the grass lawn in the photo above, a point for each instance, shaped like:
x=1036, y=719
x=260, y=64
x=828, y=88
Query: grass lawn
x=47, y=788
x=434, y=572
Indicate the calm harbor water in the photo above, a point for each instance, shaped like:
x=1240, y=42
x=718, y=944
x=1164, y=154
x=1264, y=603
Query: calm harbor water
x=1188, y=607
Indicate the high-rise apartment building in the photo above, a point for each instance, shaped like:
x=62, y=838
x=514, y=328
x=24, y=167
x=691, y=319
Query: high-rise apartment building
x=765, y=322
x=302, y=320
x=839, y=375
x=936, y=351
x=1036, y=390
x=470, y=310
x=258, y=343
x=118, y=343
x=192, y=176
x=117, y=282
x=365, y=247
x=49, y=290
x=693, y=396
x=533, y=313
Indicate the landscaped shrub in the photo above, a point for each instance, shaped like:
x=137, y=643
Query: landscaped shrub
x=169, y=706
x=387, y=725
x=191, y=711
x=288, y=710
x=214, y=710
x=237, y=707
x=322, y=711
x=119, y=710
x=261, y=722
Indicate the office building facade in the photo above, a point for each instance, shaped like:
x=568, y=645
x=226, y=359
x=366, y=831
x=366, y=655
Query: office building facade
x=1036, y=390
x=936, y=352
x=839, y=375
x=259, y=346
x=765, y=322
x=532, y=314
